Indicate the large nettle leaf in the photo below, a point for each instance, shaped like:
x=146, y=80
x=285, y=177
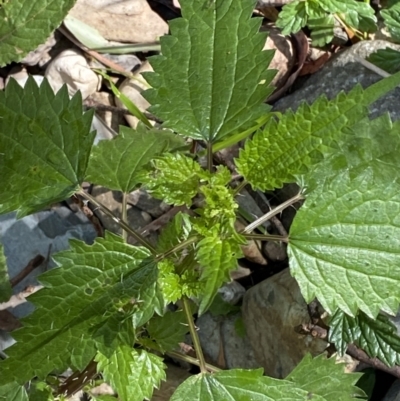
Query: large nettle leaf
x=212, y=77
x=289, y=146
x=304, y=383
x=377, y=337
x=121, y=163
x=132, y=373
x=27, y=24
x=93, y=284
x=343, y=244
x=45, y=141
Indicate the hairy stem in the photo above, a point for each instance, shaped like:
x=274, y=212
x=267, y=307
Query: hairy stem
x=176, y=248
x=124, y=215
x=194, y=361
x=209, y=157
x=121, y=223
x=272, y=213
x=193, y=333
x=239, y=188
x=266, y=237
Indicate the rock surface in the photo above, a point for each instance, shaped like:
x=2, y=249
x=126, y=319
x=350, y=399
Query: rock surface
x=221, y=343
x=343, y=72
x=271, y=311
x=394, y=392
x=122, y=21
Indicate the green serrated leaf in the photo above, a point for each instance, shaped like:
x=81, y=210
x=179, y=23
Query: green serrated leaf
x=25, y=25
x=132, y=373
x=293, y=17
x=217, y=257
x=322, y=30
x=240, y=385
x=321, y=376
x=287, y=147
x=168, y=330
x=175, y=286
x=175, y=179
x=391, y=16
x=151, y=301
x=45, y=141
x=176, y=231
x=319, y=17
x=5, y=286
x=93, y=284
x=388, y=59
x=13, y=392
x=40, y=391
x=343, y=330
x=343, y=241
x=121, y=163
x=377, y=337
x=298, y=141
x=212, y=69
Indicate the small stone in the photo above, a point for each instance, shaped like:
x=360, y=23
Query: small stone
x=71, y=67
x=274, y=251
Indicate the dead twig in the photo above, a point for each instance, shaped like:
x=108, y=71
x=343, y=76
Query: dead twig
x=32, y=265
x=20, y=298
x=361, y=356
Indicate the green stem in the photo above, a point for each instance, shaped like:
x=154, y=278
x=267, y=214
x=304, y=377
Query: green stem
x=261, y=237
x=124, y=214
x=195, y=337
x=190, y=359
x=121, y=223
x=176, y=248
x=239, y=187
x=272, y=213
x=209, y=157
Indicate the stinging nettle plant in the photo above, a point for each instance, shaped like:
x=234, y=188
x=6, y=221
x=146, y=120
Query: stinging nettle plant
x=103, y=309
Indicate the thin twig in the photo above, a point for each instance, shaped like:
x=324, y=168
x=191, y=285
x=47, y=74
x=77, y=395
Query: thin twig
x=32, y=265
x=20, y=298
x=272, y=213
x=94, y=54
x=361, y=356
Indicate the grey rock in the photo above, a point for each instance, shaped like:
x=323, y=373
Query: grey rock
x=394, y=392
x=343, y=72
x=144, y=201
x=274, y=251
x=43, y=233
x=271, y=311
x=218, y=336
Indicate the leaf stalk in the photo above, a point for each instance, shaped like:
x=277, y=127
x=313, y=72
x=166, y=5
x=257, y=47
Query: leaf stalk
x=195, y=337
x=121, y=223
